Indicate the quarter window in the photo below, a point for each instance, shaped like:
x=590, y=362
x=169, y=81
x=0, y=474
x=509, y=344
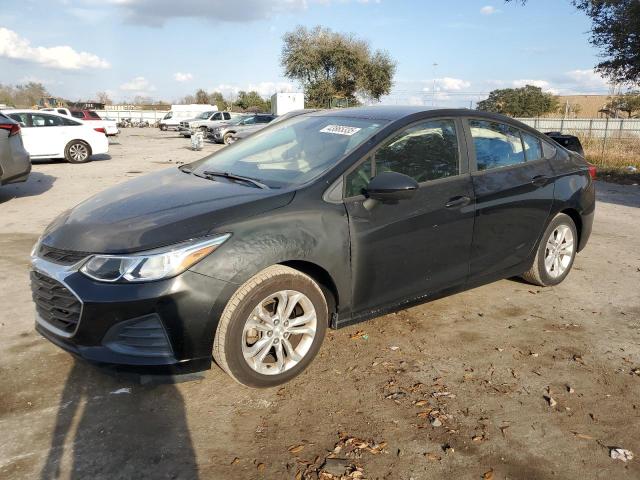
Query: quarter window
x=425, y=151
x=496, y=144
x=21, y=118
x=532, y=147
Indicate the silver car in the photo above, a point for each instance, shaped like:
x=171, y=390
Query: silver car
x=223, y=133
x=15, y=163
x=250, y=130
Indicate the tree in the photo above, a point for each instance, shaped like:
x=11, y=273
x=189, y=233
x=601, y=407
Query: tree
x=335, y=65
x=615, y=30
x=217, y=99
x=201, y=97
x=103, y=97
x=528, y=101
x=25, y=95
x=628, y=103
x=251, y=101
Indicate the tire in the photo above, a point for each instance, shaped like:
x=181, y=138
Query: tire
x=232, y=349
x=163, y=128
x=77, y=151
x=551, y=266
x=227, y=138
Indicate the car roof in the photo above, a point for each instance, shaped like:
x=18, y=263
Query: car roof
x=377, y=112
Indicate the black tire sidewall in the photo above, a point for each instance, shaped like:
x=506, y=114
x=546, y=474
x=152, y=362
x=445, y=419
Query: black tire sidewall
x=234, y=357
x=560, y=219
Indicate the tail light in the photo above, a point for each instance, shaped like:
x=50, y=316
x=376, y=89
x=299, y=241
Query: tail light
x=101, y=130
x=13, y=128
x=592, y=171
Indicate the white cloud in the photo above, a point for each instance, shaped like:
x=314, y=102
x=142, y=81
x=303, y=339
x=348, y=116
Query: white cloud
x=63, y=57
x=543, y=84
x=449, y=84
x=182, y=77
x=138, y=84
x=489, y=10
x=587, y=80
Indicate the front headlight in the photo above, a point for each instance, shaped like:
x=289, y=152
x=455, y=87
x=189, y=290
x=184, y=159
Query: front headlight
x=152, y=265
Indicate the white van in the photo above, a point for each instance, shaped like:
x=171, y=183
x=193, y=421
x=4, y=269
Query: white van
x=183, y=112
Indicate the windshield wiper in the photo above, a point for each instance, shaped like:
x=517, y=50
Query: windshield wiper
x=233, y=176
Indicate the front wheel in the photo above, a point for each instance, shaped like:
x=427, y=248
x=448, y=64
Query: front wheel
x=556, y=253
x=227, y=139
x=77, y=151
x=271, y=328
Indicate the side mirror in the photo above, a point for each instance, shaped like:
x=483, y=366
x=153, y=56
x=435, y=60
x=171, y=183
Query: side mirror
x=390, y=187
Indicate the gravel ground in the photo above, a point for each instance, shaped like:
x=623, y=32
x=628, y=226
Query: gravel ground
x=503, y=381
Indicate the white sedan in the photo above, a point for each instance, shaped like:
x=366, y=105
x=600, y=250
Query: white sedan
x=50, y=135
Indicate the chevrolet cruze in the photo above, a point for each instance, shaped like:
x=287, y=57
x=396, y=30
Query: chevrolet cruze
x=329, y=218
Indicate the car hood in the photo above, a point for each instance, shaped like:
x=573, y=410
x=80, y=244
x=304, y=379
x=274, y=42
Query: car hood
x=155, y=210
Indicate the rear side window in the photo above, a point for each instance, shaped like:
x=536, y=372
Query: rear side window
x=77, y=114
x=40, y=120
x=62, y=112
x=70, y=123
x=496, y=144
x=227, y=116
x=532, y=147
x=93, y=115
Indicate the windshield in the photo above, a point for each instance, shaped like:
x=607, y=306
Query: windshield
x=294, y=151
x=204, y=115
x=168, y=116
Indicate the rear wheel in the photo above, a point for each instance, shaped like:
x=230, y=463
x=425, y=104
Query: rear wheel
x=163, y=128
x=77, y=151
x=272, y=327
x=556, y=253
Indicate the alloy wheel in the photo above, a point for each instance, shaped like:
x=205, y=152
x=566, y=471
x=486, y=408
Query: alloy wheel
x=78, y=152
x=559, y=251
x=279, y=332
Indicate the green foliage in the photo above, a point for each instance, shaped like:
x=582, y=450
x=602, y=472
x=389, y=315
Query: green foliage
x=615, y=30
x=201, y=97
x=23, y=96
x=528, y=101
x=628, y=103
x=251, y=102
x=333, y=65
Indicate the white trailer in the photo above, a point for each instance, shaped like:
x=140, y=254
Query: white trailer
x=183, y=112
x=282, y=103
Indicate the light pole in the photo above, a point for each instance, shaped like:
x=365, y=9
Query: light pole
x=435, y=66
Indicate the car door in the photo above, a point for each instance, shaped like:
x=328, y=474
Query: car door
x=49, y=134
x=421, y=245
x=513, y=187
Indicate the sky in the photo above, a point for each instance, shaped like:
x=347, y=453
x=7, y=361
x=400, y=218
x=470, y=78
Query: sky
x=166, y=49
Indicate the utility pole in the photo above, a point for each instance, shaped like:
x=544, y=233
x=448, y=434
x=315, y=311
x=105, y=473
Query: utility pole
x=435, y=66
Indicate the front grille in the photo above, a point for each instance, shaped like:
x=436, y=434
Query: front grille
x=55, y=303
x=61, y=257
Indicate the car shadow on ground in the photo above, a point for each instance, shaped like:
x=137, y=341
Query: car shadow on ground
x=36, y=184
x=626, y=195
x=107, y=426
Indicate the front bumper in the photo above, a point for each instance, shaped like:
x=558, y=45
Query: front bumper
x=165, y=326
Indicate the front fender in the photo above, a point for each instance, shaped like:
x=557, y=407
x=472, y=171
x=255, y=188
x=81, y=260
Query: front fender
x=316, y=236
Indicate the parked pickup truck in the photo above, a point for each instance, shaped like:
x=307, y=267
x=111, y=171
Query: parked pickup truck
x=109, y=126
x=203, y=121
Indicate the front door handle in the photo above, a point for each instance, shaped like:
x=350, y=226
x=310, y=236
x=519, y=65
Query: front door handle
x=540, y=180
x=458, y=202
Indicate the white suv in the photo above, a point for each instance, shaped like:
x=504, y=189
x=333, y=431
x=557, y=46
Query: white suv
x=204, y=121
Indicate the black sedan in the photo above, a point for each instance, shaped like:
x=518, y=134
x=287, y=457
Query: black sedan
x=320, y=221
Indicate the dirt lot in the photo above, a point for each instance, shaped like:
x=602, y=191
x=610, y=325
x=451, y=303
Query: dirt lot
x=479, y=364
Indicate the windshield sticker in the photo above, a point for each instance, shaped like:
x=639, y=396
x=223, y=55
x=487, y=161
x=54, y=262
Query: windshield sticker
x=340, y=130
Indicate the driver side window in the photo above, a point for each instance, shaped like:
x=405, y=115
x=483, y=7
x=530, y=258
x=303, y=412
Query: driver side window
x=425, y=151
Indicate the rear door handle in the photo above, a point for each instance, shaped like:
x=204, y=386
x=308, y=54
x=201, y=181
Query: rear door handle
x=458, y=202
x=540, y=180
